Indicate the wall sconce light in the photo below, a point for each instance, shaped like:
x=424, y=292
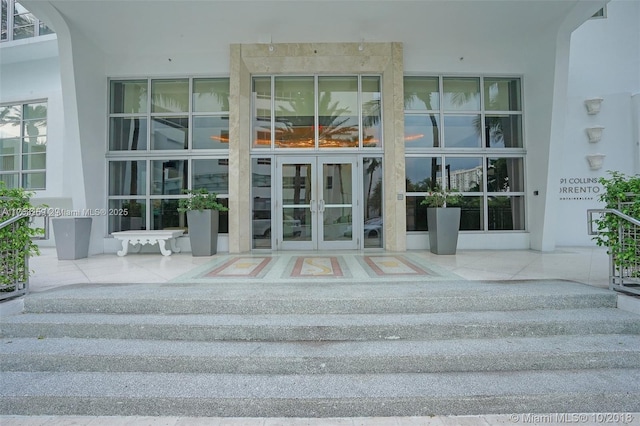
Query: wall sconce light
x=595, y=161
x=593, y=105
x=594, y=133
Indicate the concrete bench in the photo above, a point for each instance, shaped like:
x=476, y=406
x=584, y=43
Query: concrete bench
x=139, y=238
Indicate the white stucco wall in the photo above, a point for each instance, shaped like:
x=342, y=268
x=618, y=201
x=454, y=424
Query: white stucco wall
x=605, y=63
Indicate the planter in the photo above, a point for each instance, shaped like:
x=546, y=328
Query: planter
x=444, y=224
x=203, y=231
x=72, y=236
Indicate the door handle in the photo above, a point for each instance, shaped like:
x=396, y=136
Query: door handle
x=321, y=206
x=312, y=206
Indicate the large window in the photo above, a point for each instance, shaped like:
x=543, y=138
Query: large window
x=465, y=134
x=19, y=23
x=23, y=145
x=166, y=136
x=317, y=112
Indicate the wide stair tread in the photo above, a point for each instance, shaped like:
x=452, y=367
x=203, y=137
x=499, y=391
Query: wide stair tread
x=320, y=349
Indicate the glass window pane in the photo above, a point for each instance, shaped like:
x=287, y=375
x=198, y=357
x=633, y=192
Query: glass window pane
x=502, y=94
x=169, y=133
x=10, y=129
x=34, y=162
x=421, y=130
x=35, y=128
x=505, y=175
x=128, y=134
x=165, y=215
x=421, y=93
x=213, y=175
x=128, y=177
x=35, y=111
x=372, y=190
x=9, y=146
x=294, y=109
x=10, y=180
x=371, y=112
x=35, y=180
x=462, y=131
x=169, y=177
x=464, y=173
x=44, y=30
x=170, y=95
x=211, y=95
x=506, y=213
x=135, y=218
x=338, y=112
x=35, y=144
x=23, y=32
x=296, y=184
x=461, y=94
x=423, y=173
x=261, y=198
x=262, y=112
x=416, y=214
x=503, y=131
x=10, y=113
x=210, y=133
x=128, y=97
x=9, y=163
x=471, y=213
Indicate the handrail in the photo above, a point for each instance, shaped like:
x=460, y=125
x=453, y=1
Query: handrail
x=13, y=219
x=618, y=213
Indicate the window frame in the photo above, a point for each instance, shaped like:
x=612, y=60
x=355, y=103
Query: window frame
x=484, y=152
x=189, y=154
x=21, y=171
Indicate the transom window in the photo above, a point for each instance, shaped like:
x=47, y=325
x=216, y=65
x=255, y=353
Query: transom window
x=465, y=134
x=316, y=112
x=23, y=145
x=165, y=136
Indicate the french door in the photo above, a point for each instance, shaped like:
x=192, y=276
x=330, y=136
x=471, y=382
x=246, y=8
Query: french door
x=316, y=203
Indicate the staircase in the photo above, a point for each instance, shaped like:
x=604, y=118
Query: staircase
x=320, y=349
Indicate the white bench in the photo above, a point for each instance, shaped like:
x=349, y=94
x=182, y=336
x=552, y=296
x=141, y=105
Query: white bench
x=139, y=238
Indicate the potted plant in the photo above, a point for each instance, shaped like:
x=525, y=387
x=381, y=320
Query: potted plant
x=621, y=193
x=203, y=212
x=16, y=239
x=443, y=222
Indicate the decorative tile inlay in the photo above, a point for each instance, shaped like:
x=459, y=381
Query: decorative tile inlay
x=240, y=267
x=317, y=267
x=393, y=265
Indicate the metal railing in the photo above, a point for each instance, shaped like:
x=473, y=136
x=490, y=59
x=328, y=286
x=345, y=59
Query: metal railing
x=15, y=263
x=624, y=274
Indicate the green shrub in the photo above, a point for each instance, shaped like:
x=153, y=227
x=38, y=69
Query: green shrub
x=621, y=193
x=15, y=240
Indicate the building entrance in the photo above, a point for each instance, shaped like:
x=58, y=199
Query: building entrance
x=317, y=204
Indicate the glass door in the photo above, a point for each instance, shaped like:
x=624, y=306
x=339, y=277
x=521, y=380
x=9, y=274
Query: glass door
x=316, y=203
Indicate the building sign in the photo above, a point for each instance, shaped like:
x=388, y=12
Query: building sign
x=579, y=188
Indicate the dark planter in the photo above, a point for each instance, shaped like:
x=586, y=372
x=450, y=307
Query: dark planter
x=443, y=223
x=203, y=231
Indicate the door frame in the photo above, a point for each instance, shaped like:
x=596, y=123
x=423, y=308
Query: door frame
x=317, y=206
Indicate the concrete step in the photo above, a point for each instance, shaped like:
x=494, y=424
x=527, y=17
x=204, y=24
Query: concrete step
x=457, y=355
x=324, y=349
x=314, y=297
x=434, y=326
x=327, y=395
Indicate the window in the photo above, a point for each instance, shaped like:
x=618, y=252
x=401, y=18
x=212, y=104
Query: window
x=19, y=23
x=465, y=134
x=23, y=145
x=165, y=136
x=317, y=112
